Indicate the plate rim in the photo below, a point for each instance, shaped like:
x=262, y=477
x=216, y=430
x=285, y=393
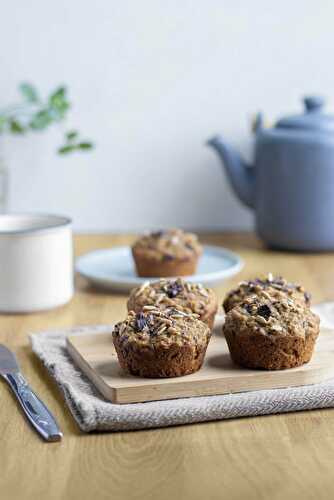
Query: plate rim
x=137, y=280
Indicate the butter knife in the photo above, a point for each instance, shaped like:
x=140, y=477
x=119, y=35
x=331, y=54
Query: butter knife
x=35, y=410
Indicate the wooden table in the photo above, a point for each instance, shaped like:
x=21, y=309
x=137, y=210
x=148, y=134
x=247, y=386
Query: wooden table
x=272, y=457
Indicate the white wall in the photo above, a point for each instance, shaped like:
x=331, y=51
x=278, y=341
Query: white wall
x=151, y=81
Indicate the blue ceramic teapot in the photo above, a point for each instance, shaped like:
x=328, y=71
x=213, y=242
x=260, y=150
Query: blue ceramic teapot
x=291, y=184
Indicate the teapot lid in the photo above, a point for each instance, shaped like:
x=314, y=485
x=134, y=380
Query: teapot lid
x=312, y=119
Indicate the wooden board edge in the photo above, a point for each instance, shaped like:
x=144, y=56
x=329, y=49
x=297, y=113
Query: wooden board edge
x=217, y=387
x=108, y=392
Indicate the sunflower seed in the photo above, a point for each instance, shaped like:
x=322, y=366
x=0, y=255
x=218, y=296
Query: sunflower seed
x=142, y=288
x=151, y=308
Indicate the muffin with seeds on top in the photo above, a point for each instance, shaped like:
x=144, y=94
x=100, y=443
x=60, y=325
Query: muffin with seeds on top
x=271, y=333
x=159, y=343
x=166, y=253
x=177, y=293
x=275, y=286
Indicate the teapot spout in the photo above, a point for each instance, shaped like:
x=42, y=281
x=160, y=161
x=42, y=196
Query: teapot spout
x=241, y=175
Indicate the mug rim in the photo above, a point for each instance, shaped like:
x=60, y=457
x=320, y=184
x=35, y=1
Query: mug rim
x=40, y=222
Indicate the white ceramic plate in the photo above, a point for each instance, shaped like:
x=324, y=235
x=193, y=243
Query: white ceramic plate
x=114, y=268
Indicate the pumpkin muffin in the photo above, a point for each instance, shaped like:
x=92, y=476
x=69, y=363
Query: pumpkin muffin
x=187, y=297
x=275, y=286
x=272, y=333
x=156, y=343
x=166, y=253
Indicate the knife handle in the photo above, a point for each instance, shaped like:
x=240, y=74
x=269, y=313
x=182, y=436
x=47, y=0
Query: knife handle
x=35, y=410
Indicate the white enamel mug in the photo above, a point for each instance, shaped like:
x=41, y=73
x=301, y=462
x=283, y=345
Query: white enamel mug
x=36, y=262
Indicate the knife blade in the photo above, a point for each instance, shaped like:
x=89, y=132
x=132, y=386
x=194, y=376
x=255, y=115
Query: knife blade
x=35, y=410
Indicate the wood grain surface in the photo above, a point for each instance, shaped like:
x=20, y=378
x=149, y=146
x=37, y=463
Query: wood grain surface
x=274, y=457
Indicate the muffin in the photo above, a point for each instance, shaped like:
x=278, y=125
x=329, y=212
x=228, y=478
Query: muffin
x=272, y=333
x=156, y=343
x=275, y=286
x=166, y=253
x=187, y=297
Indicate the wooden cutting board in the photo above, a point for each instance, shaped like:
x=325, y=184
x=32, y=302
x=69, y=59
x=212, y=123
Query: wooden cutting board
x=96, y=357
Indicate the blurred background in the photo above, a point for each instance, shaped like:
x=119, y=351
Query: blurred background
x=150, y=82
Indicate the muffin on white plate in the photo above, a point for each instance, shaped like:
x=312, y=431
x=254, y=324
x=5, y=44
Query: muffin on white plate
x=166, y=253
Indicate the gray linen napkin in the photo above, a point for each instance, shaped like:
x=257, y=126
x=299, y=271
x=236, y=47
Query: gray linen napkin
x=93, y=412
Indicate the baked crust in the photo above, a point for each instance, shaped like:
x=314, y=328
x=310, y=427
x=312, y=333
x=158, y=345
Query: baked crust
x=271, y=333
x=156, y=343
x=151, y=268
x=175, y=361
x=177, y=293
x=275, y=286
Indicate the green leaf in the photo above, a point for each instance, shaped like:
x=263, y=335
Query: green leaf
x=40, y=120
x=73, y=134
x=59, y=109
x=3, y=122
x=59, y=93
x=57, y=114
x=66, y=149
x=15, y=127
x=59, y=103
x=85, y=145
x=29, y=92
